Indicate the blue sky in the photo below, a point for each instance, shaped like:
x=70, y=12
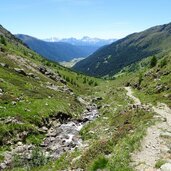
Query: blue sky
x=78, y=18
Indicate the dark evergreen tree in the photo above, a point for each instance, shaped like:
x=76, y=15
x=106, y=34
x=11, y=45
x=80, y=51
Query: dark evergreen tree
x=153, y=62
x=3, y=41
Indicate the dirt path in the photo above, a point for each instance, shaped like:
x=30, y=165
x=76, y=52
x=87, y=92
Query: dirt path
x=130, y=94
x=155, y=145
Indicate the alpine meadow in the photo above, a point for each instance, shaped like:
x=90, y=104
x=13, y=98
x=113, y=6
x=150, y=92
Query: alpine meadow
x=85, y=85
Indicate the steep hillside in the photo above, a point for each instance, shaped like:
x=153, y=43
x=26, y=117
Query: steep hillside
x=57, y=51
x=112, y=58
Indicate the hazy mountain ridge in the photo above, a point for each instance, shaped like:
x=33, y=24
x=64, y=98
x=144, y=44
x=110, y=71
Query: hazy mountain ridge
x=57, y=51
x=85, y=41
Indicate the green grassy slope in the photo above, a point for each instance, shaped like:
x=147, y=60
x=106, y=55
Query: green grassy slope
x=152, y=84
x=26, y=96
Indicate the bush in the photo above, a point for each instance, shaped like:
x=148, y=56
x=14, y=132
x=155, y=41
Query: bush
x=140, y=78
x=99, y=148
x=2, y=40
x=90, y=82
x=37, y=159
x=99, y=163
x=163, y=62
x=153, y=62
x=85, y=80
x=95, y=84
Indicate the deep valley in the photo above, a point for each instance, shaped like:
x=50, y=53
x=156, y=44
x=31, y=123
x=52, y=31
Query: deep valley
x=110, y=112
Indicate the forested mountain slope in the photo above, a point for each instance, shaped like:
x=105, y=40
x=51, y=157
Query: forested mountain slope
x=112, y=58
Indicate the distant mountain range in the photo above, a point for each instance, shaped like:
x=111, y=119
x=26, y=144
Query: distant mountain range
x=85, y=41
x=64, y=49
x=110, y=59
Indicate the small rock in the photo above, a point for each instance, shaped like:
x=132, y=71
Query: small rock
x=27, y=110
x=37, y=78
x=13, y=103
x=4, y=65
x=44, y=128
x=3, y=166
x=52, y=133
x=19, y=143
x=31, y=75
x=52, y=139
x=1, y=80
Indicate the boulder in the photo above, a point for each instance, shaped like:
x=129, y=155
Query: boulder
x=3, y=166
x=20, y=71
x=19, y=143
x=4, y=65
x=44, y=128
x=1, y=91
x=31, y=75
x=42, y=69
x=52, y=132
x=48, y=73
x=1, y=80
x=13, y=103
x=63, y=117
x=166, y=167
x=63, y=81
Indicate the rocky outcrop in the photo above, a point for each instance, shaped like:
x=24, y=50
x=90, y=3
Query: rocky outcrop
x=50, y=74
x=59, y=88
x=20, y=71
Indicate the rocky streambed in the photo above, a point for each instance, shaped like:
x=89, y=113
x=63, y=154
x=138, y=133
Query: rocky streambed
x=65, y=137
x=61, y=136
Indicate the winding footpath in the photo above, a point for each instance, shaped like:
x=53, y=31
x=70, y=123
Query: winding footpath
x=155, y=145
